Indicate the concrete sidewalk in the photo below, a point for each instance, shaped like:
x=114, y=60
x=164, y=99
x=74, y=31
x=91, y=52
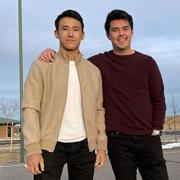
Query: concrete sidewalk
x=18, y=171
x=14, y=171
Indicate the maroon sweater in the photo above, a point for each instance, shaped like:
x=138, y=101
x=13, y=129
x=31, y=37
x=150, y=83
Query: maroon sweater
x=133, y=92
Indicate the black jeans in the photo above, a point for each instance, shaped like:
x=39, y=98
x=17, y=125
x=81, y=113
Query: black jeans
x=80, y=162
x=127, y=153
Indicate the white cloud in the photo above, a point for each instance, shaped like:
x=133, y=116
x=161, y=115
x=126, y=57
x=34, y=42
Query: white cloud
x=156, y=31
x=161, y=47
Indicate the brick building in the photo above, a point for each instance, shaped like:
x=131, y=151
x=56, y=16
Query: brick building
x=8, y=127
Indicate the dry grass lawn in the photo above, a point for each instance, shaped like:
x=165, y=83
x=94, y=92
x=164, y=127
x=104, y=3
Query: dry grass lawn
x=169, y=123
x=9, y=156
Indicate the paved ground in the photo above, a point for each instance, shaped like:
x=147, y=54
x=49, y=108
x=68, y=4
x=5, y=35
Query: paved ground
x=16, y=171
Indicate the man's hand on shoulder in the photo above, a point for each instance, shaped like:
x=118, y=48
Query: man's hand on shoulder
x=35, y=163
x=47, y=55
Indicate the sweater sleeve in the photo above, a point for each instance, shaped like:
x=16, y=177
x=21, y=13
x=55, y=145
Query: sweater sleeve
x=31, y=131
x=157, y=97
x=100, y=119
x=31, y=110
x=33, y=88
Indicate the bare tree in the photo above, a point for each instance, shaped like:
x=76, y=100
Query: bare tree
x=175, y=109
x=8, y=108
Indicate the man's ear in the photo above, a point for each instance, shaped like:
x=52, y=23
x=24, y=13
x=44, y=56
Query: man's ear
x=132, y=32
x=108, y=36
x=83, y=35
x=56, y=34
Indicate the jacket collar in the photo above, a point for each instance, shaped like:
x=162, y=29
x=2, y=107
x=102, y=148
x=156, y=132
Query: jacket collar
x=62, y=55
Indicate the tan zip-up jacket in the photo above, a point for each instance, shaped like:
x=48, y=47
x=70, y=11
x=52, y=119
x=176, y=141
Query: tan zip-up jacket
x=44, y=102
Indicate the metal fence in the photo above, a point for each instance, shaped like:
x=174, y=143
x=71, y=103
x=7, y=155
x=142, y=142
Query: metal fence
x=170, y=137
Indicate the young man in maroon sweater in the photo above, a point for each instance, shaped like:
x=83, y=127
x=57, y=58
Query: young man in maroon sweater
x=134, y=103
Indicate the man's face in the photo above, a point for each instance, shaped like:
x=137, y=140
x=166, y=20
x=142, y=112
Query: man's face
x=69, y=34
x=120, y=34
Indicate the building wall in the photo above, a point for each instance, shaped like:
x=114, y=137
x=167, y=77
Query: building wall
x=4, y=131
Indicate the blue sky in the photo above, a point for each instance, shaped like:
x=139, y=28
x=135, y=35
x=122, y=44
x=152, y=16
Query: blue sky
x=156, y=32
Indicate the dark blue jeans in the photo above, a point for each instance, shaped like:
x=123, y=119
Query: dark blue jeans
x=80, y=162
x=128, y=153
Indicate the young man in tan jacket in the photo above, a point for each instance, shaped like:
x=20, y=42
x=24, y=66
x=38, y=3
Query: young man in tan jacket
x=63, y=112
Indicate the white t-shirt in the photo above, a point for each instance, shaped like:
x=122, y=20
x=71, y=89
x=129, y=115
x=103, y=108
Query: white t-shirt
x=72, y=127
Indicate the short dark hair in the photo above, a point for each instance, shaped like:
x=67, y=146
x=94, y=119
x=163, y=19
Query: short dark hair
x=72, y=14
x=117, y=14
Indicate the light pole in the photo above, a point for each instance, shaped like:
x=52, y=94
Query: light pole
x=21, y=75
